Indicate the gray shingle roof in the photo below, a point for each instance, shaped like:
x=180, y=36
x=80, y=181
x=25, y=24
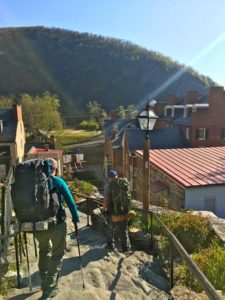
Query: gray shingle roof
x=162, y=138
x=120, y=123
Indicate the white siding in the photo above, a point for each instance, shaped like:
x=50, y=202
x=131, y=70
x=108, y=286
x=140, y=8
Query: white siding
x=198, y=198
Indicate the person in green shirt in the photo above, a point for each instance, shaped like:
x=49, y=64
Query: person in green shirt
x=52, y=242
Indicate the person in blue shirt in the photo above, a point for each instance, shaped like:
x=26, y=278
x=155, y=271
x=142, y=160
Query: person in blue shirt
x=52, y=242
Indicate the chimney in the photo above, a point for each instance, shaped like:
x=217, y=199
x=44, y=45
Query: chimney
x=216, y=97
x=192, y=97
x=113, y=115
x=52, y=141
x=159, y=108
x=127, y=114
x=17, y=112
x=171, y=100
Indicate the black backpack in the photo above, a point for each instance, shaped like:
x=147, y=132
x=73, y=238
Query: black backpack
x=33, y=196
x=119, y=196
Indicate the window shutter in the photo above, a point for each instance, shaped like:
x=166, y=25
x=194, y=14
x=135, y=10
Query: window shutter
x=206, y=134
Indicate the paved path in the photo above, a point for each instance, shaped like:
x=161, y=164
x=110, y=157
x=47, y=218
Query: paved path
x=107, y=276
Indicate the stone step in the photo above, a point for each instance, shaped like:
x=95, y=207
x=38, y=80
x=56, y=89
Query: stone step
x=107, y=275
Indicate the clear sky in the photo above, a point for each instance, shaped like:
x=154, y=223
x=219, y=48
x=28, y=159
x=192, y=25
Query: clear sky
x=191, y=32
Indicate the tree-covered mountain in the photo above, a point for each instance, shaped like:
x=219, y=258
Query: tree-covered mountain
x=81, y=67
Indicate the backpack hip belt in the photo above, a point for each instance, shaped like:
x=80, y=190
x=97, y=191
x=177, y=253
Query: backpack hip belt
x=119, y=218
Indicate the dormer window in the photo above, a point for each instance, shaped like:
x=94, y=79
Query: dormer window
x=185, y=111
x=115, y=128
x=194, y=108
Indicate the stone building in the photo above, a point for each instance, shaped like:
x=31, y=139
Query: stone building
x=185, y=179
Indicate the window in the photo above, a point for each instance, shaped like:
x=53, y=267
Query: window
x=202, y=134
x=194, y=108
x=187, y=133
x=173, y=112
x=223, y=133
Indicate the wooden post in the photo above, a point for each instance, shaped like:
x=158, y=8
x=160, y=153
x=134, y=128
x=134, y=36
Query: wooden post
x=146, y=179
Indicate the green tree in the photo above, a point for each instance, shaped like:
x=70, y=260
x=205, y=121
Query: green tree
x=121, y=111
x=5, y=102
x=41, y=112
x=95, y=110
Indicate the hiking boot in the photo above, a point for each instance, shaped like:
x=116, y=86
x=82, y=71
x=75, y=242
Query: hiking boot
x=46, y=295
x=128, y=252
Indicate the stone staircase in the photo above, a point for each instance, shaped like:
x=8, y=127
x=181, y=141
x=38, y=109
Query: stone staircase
x=107, y=275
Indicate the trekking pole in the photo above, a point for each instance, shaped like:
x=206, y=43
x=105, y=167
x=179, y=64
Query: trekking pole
x=35, y=245
x=28, y=264
x=78, y=246
x=17, y=261
x=21, y=248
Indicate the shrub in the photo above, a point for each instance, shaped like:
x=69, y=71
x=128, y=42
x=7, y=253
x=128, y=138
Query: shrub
x=146, y=227
x=8, y=281
x=89, y=125
x=211, y=261
x=93, y=125
x=193, y=231
x=82, y=187
x=84, y=124
x=86, y=175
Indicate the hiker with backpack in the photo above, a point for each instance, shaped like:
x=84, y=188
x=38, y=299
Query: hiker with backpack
x=116, y=205
x=46, y=190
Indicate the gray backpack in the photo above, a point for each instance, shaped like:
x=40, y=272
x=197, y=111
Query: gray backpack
x=33, y=196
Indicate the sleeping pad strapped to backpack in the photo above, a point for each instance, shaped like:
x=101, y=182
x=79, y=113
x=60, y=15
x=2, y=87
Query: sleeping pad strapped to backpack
x=119, y=196
x=33, y=196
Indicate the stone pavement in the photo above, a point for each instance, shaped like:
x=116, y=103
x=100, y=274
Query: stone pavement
x=107, y=275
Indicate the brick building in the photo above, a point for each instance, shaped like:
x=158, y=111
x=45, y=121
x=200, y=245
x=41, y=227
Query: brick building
x=202, y=118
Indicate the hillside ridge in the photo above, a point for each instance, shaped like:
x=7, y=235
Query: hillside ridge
x=82, y=67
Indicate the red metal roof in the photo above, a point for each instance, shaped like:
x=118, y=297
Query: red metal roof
x=191, y=166
x=43, y=150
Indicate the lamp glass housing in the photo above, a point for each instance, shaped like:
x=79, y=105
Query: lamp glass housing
x=147, y=118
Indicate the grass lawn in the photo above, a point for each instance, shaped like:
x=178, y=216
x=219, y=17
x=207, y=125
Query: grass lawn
x=70, y=136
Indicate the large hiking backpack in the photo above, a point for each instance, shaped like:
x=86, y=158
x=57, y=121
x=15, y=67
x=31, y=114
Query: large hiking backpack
x=119, y=196
x=33, y=196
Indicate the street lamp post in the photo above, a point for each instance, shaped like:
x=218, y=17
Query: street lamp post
x=147, y=119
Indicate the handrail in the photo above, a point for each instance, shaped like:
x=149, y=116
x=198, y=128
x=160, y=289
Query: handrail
x=198, y=274
x=202, y=279
x=6, y=210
